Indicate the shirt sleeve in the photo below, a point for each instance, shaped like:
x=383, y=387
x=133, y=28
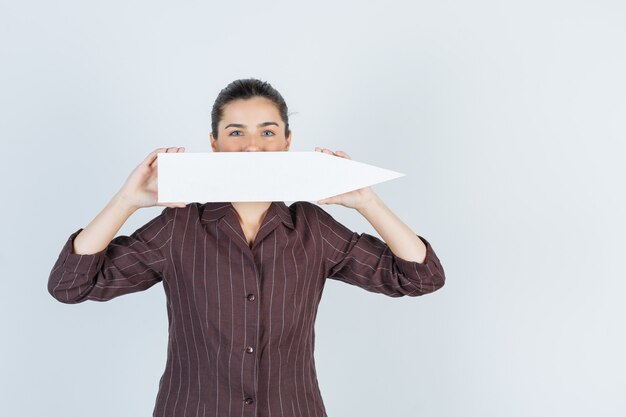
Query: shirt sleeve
x=128, y=264
x=366, y=261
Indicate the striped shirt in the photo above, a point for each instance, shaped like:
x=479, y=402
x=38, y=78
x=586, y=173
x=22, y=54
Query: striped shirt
x=241, y=318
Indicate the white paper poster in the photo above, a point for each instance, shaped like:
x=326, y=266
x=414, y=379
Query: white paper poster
x=261, y=176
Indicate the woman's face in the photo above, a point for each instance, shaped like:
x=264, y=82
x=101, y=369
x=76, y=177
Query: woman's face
x=250, y=125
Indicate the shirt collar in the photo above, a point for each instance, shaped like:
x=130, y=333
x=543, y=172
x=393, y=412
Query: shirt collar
x=213, y=211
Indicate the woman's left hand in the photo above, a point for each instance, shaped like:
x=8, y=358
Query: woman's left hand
x=355, y=199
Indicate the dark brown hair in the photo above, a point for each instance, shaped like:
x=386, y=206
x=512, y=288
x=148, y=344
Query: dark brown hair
x=244, y=89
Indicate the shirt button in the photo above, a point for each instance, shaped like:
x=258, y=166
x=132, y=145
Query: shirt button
x=248, y=400
x=250, y=297
x=249, y=349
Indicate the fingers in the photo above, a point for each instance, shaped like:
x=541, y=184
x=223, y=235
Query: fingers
x=329, y=152
x=324, y=150
x=152, y=158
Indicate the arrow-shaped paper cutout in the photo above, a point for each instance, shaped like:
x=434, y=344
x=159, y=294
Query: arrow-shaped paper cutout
x=261, y=176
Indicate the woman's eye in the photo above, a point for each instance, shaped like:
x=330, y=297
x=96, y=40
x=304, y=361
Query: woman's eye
x=239, y=131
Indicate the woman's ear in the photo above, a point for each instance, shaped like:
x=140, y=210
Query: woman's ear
x=288, y=140
x=213, y=142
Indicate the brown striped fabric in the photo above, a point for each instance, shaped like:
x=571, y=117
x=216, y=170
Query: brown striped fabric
x=241, y=319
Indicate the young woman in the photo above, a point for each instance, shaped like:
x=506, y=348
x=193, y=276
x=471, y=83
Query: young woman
x=243, y=280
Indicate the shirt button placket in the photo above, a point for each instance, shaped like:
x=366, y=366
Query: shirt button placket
x=252, y=327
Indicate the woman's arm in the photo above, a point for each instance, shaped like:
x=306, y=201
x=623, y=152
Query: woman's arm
x=402, y=241
x=102, y=229
x=368, y=262
x=126, y=264
x=95, y=265
x=139, y=190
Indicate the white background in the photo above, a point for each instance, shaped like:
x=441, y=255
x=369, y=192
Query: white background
x=508, y=119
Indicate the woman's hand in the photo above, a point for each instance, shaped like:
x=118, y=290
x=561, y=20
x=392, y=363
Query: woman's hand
x=140, y=188
x=356, y=199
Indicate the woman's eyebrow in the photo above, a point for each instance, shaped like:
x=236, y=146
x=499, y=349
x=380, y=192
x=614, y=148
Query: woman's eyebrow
x=259, y=125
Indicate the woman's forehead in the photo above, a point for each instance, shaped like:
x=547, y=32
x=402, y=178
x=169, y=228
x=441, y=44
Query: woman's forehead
x=250, y=112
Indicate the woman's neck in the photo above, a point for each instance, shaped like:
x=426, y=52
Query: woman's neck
x=251, y=213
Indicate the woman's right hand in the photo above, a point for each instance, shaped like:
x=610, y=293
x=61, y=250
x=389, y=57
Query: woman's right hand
x=140, y=188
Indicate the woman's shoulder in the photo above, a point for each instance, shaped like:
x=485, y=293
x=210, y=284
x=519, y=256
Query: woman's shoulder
x=303, y=208
x=312, y=212
x=176, y=213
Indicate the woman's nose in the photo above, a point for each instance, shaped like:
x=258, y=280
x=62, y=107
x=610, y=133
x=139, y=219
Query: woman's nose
x=252, y=144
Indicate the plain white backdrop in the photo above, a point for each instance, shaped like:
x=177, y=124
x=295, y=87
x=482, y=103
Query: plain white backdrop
x=507, y=117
